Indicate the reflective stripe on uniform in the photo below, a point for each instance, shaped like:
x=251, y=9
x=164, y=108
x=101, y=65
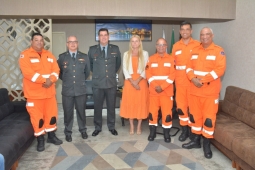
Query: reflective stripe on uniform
x=150, y=79
x=200, y=73
x=51, y=129
x=153, y=124
x=163, y=126
x=188, y=69
x=30, y=104
x=194, y=57
x=196, y=128
x=169, y=81
x=46, y=76
x=36, y=75
x=184, y=119
x=160, y=77
x=180, y=67
x=55, y=74
x=178, y=52
x=214, y=75
x=39, y=133
x=208, y=132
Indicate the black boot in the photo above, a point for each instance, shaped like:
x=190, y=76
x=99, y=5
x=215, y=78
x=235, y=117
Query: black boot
x=40, y=144
x=191, y=135
x=207, y=148
x=185, y=133
x=195, y=143
x=152, y=133
x=167, y=135
x=52, y=138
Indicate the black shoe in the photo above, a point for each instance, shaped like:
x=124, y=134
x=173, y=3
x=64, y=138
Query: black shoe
x=207, y=148
x=52, y=138
x=195, y=143
x=114, y=132
x=167, y=135
x=84, y=135
x=96, y=132
x=185, y=133
x=40, y=144
x=152, y=133
x=68, y=138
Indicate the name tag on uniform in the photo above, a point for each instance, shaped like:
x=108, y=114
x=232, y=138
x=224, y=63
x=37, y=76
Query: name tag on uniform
x=50, y=60
x=81, y=59
x=167, y=64
x=194, y=57
x=210, y=57
x=34, y=60
x=154, y=65
x=178, y=52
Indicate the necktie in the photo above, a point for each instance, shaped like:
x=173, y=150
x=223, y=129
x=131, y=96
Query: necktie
x=103, y=51
x=73, y=54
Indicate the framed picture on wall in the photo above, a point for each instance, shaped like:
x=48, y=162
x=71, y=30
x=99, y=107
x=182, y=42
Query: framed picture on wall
x=122, y=30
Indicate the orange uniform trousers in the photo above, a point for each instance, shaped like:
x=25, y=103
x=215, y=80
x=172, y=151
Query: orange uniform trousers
x=165, y=103
x=43, y=114
x=204, y=110
x=182, y=100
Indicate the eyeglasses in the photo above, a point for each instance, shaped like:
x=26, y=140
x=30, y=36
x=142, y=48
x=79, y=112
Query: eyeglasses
x=161, y=45
x=72, y=42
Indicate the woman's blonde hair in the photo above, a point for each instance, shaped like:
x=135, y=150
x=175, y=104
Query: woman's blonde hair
x=140, y=53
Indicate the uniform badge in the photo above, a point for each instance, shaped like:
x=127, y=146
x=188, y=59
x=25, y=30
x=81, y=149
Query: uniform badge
x=81, y=59
x=113, y=53
x=222, y=53
x=21, y=56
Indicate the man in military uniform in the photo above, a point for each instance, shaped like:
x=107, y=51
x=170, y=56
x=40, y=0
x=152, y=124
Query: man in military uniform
x=74, y=70
x=105, y=61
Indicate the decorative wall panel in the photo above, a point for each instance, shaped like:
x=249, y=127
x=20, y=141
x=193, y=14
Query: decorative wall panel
x=15, y=36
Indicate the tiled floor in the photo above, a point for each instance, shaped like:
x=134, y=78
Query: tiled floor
x=124, y=151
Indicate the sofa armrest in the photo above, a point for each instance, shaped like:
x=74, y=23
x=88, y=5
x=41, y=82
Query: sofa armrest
x=19, y=106
x=220, y=106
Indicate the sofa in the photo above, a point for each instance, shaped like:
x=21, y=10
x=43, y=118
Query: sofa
x=235, y=127
x=16, y=131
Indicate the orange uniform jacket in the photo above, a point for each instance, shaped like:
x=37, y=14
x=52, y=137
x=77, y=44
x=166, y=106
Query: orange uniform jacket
x=159, y=74
x=208, y=64
x=36, y=69
x=181, y=53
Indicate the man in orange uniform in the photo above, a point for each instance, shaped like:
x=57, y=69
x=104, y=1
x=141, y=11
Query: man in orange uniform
x=206, y=66
x=181, y=53
x=160, y=74
x=40, y=72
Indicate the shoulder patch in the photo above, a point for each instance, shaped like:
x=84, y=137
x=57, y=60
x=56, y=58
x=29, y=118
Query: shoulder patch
x=222, y=53
x=21, y=56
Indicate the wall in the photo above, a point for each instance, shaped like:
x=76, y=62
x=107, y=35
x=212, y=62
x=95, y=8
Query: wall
x=238, y=40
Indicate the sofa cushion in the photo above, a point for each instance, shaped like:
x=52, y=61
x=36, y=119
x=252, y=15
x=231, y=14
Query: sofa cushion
x=244, y=148
x=4, y=98
x=227, y=128
x=240, y=103
x=6, y=109
x=15, y=131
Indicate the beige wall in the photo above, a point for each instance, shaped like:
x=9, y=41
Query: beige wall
x=238, y=39
x=90, y=9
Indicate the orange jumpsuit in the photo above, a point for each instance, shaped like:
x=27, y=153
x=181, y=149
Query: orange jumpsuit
x=160, y=72
x=41, y=102
x=181, y=54
x=209, y=65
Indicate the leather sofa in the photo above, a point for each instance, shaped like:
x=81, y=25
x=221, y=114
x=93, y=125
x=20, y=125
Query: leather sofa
x=16, y=131
x=235, y=127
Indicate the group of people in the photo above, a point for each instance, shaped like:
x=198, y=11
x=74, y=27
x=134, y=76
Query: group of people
x=193, y=67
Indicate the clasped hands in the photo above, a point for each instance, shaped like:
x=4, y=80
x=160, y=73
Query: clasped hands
x=135, y=83
x=47, y=84
x=197, y=82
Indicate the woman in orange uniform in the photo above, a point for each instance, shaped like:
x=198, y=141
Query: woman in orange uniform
x=134, y=104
